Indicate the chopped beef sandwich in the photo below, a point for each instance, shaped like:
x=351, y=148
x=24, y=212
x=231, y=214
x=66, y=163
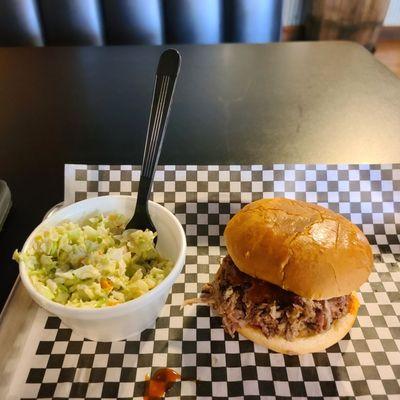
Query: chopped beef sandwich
x=289, y=278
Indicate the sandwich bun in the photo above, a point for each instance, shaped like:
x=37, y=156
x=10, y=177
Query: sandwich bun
x=303, y=248
x=308, y=344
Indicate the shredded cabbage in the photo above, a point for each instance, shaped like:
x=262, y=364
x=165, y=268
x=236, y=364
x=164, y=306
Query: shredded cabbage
x=95, y=264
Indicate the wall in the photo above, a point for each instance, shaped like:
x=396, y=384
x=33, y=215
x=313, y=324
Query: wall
x=292, y=12
x=393, y=14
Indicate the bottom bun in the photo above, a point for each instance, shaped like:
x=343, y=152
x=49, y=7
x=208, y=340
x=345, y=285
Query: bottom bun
x=309, y=344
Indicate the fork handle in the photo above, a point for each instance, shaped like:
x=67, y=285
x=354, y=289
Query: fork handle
x=164, y=86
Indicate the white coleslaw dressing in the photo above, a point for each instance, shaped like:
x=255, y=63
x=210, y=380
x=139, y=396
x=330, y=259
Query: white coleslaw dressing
x=94, y=264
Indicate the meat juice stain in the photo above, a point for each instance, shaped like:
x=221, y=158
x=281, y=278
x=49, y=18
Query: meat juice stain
x=158, y=384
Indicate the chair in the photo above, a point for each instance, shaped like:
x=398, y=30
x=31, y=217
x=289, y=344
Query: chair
x=114, y=22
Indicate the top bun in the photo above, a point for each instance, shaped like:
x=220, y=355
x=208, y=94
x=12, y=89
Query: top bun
x=301, y=247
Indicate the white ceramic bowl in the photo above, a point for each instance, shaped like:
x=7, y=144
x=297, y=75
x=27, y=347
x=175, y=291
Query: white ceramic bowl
x=130, y=318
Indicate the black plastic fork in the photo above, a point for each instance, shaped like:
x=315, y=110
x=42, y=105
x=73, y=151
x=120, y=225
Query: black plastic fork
x=164, y=86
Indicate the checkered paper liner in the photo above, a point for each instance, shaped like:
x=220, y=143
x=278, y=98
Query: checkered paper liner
x=365, y=364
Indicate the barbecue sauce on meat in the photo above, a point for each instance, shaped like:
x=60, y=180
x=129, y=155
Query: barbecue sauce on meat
x=238, y=298
x=258, y=291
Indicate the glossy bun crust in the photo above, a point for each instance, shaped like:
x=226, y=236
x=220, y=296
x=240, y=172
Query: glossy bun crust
x=301, y=247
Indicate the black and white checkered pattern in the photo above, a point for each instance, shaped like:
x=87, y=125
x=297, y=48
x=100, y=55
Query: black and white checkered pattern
x=365, y=364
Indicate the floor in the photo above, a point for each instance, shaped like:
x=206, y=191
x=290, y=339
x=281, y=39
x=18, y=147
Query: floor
x=388, y=53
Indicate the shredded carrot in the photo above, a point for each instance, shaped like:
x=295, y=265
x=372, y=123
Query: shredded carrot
x=106, y=284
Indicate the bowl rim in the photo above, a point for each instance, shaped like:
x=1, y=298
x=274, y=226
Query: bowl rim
x=120, y=308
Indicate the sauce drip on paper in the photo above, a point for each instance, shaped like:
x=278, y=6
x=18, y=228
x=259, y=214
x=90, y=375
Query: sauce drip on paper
x=158, y=384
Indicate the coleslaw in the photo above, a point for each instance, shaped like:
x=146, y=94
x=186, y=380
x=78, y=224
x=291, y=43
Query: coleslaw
x=94, y=264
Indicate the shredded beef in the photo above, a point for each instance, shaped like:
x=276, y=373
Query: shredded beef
x=243, y=300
